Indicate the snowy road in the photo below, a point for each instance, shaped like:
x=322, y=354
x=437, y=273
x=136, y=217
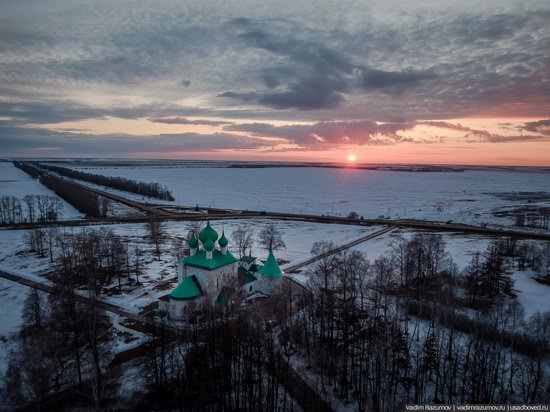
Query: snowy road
x=109, y=307
x=290, y=269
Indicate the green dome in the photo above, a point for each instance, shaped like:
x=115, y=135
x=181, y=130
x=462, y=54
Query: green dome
x=208, y=233
x=223, y=240
x=209, y=245
x=193, y=242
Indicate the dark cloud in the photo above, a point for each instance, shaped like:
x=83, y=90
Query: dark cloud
x=393, y=82
x=41, y=112
x=313, y=76
x=542, y=127
x=183, y=120
x=22, y=139
x=495, y=138
x=457, y=127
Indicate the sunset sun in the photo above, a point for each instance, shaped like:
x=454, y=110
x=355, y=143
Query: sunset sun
x=351, y=157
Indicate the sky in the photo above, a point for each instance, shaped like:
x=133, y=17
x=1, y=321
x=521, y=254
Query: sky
x=424, y=81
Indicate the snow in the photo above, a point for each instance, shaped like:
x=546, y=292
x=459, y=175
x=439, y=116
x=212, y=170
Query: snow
x=469, y=196
x=533, y=296
x=12, y=297
x=159, y=276
x=15, y=182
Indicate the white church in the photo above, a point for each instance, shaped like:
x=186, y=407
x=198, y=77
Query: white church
x=211, y=274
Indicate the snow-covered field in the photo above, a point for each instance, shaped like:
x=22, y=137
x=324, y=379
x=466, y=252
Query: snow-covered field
x=15, y=182
x=12, y=297
x=469, y=196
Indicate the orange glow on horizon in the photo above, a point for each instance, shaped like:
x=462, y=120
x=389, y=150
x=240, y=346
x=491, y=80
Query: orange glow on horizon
x=352, y=158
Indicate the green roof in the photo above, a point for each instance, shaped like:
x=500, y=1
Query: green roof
x=223, y=240
x=187, y=289
x=193, y=242
x=270, y=267
x=208, y=233
x=218, y=259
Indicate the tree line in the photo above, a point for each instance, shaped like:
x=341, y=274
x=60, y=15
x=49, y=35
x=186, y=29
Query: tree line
x=28, y=168
x=538, y=218
x=120, y=183
x=30, y=209
x=86, y=202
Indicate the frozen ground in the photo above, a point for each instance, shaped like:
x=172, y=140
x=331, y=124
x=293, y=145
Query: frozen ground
x=15, y=182
x=12, y=297
x=469, y=196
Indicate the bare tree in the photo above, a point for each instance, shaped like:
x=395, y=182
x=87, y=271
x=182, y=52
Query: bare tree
x=243, y=238
x=543, y=265
x=271, y=237
x=195, y=227
x=156, y=231
x=137, y=261
x=325, y=266
x=52, y=234
x=34, y=309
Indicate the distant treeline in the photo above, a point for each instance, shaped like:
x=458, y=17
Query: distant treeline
x=141, y=188
x=30, y=209
x=31, y=170
x=89, y=203
x=86, y=202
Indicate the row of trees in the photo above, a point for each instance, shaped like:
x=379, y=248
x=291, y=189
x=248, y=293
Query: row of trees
x=128, y=185
x=97, y=255
x=536, y=218
x=30, y=209
x=269, y=237
x=31, y=170
x=418, y=259
x=89, y=203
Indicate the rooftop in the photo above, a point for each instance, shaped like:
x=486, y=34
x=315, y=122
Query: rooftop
x=270, y=267
x=187, y=289
x=218, y=259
